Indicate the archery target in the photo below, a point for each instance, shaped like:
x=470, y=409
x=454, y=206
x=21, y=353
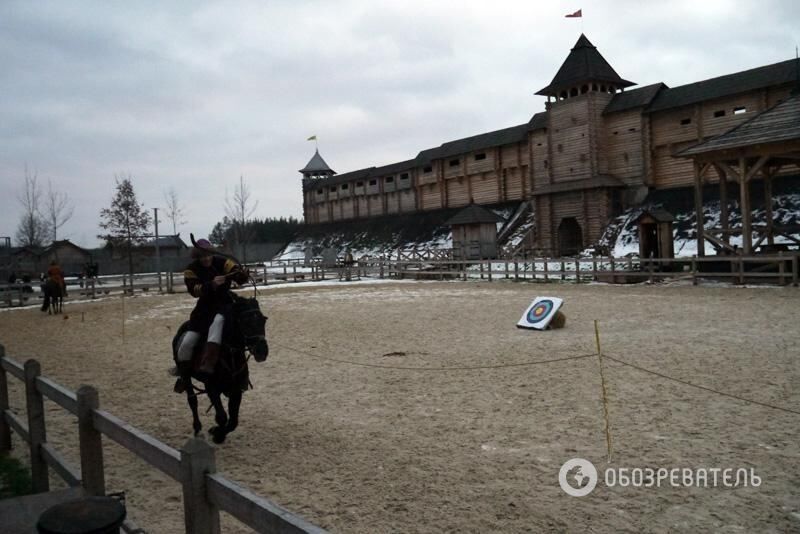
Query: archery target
x=539, y=314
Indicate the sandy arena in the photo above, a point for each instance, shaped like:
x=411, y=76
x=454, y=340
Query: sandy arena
x=366, y=449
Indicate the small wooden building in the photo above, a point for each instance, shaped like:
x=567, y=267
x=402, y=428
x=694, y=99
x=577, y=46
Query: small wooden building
x=655, y=234
x=34, y=260
x=474, y=233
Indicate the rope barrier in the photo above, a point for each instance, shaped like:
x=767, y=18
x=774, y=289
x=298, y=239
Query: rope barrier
x=704, y=388
x=455, y=368
x=538, y=362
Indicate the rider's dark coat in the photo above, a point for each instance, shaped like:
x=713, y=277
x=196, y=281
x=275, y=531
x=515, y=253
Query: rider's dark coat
x=210, y=300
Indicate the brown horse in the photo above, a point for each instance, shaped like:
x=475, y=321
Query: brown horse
x=53, y=296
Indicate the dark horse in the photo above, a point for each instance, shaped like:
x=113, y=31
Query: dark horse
x=53, y=296
x=244, y=332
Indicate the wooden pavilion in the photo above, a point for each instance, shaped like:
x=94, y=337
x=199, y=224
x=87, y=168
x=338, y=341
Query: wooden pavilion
x=757, y=148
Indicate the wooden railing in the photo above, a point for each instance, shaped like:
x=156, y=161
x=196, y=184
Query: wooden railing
x=205, y=493
x=780, y=268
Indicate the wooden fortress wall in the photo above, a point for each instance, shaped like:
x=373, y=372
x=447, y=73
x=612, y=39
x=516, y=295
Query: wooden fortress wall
x=579, y=143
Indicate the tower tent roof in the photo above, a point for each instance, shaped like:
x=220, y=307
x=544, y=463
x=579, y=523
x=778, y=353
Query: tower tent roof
x=317, y=164
x=583, y=64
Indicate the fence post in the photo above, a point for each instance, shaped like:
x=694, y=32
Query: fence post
x=594, y=268
x=91, y=443
x=781, y=269
x=516, y=271
x=651, y=265
x=197, y=460
x=546, y=270
x=577, y=270
x=694, y=270
x=35, y=407
x=489, y=266
x=794, y=270
x=741, y=270
x=563, y=270
x=5, y=430
x=613, y=270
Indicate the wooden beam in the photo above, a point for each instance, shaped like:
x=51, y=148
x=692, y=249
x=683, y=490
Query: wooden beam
x=756, y=167
x=744, y=202
x=698, y=209
x=728, y=170
x=720, y=243
x=723, y=203
x=768, y=205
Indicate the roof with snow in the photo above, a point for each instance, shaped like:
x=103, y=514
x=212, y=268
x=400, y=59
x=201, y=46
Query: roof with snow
x=317, y=165
x=583, y=64
x=778, y=124
x=474, y=214
x=169, y=241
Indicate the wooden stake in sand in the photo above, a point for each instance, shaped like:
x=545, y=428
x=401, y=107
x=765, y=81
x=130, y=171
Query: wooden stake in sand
x=605, y=395
x=123, y=318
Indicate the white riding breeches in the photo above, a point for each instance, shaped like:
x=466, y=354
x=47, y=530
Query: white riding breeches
x=191, y=338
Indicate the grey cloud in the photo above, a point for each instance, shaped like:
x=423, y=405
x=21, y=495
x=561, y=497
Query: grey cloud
x=192, y=95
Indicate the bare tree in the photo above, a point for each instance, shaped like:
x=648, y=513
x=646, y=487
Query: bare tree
x=240, y=209
x=57, y=209
x=32, y=230
x=174, y=210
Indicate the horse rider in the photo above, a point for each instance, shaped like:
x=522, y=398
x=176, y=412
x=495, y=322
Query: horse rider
x=55, y=273
x=208, y=279
x=56, y=276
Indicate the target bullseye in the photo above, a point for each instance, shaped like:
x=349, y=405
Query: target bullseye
x=540, y=313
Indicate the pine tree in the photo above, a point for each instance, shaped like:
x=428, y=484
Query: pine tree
x=126, y=222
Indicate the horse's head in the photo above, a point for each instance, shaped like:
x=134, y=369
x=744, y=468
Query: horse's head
x=251, y=323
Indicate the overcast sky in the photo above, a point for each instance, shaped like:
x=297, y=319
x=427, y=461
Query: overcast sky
x=192, y=95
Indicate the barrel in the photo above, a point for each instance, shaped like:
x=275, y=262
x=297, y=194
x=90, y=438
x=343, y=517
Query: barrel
x=87, y=515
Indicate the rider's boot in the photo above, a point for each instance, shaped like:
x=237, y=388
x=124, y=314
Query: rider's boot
x=184, y=377
x=209, y=359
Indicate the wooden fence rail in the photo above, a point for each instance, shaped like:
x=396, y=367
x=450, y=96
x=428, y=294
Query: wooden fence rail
x=784, y=271
x=205, y=493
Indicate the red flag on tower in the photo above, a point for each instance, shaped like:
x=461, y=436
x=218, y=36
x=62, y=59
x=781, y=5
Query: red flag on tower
x=577, y=14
